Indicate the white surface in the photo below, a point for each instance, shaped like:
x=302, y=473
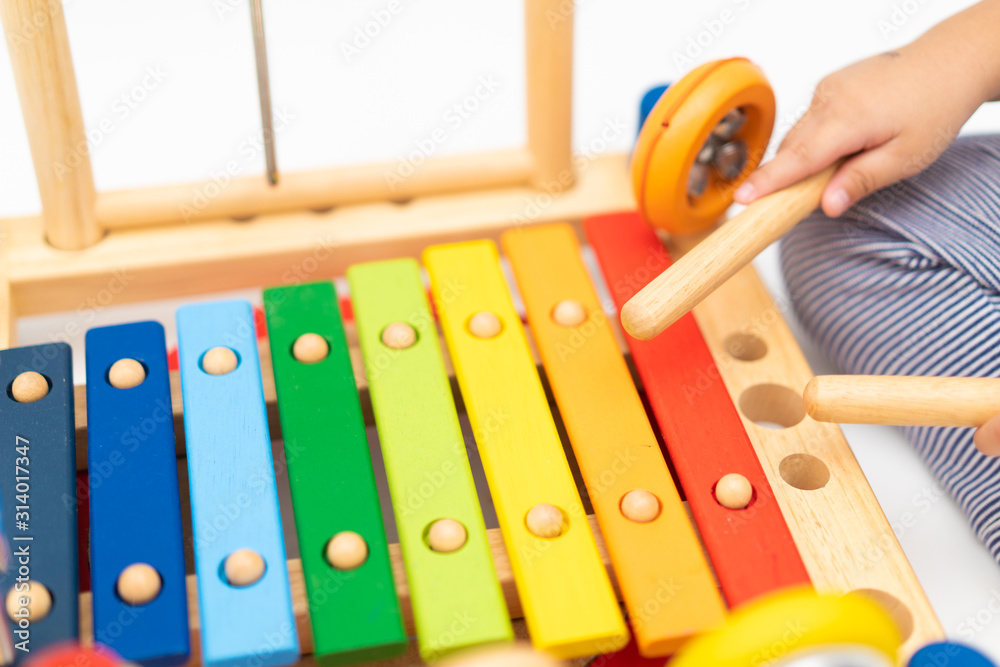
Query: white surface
x=199, y=111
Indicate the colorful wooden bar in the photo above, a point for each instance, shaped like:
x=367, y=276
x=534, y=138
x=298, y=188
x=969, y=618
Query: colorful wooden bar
x=456, y=597
x=245, y=605
x=354, y=612
x=38, y=495
x=667, y=586
x=136, y=544
x=569, y=605
x=751, y=548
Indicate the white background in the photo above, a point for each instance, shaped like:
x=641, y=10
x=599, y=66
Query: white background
x=350, y=101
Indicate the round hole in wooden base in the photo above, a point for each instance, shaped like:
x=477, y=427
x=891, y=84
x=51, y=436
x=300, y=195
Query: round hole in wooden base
x=745, y=347
x=546, y=521
x=33, y=604
x=243, y=567
x=310, y=348
x=897, y=610
x=640, y=506
x=139, y=584
x=126, y=373
x=346, y=551
x=772, y=405
x=29, y=387
x=446, y=536
x=804, y=471
x=219, y=361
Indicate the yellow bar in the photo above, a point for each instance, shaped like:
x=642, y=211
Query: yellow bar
x=569, y=605
x=668, y=588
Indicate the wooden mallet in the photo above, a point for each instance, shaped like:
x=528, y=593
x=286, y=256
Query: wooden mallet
x=725, y=251
x=901, y=400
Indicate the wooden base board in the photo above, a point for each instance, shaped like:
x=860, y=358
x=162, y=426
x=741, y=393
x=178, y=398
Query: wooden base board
x=144, y=264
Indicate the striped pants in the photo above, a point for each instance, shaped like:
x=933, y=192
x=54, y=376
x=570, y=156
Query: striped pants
x=907, y=282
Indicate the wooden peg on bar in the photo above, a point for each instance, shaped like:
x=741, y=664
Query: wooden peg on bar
x=727, y=250
x=902, y=400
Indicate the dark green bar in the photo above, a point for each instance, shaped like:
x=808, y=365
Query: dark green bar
x=355, y=615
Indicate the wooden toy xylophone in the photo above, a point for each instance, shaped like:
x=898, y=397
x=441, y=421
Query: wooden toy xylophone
x=455, y=569
x=680, y=477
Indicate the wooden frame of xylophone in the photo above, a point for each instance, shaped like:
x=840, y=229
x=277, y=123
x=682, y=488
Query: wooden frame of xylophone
x=91, y=249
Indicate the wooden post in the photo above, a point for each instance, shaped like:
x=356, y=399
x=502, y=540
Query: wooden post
x=8, y=320
x=43, y=69
x=549, y=60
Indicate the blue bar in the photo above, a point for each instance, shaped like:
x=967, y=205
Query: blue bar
x=234, y=501
x=135, y=512
x=38, y=487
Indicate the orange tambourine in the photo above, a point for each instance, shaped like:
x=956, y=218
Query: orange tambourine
x=681, y=126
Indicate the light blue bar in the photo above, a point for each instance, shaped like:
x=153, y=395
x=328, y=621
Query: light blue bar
x=234, y=501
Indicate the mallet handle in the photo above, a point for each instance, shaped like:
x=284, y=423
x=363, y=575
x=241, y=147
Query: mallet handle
x=902, y=400
x=727, y=250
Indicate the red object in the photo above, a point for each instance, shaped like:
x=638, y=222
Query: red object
x=260, y=322
x=73, y=655
x=627, y=657
x=752, y=549
x=346, y=309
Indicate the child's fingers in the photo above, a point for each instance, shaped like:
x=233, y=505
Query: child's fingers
x=870, y=170
x=809, y=147
x=987, y=437
x=860, y=176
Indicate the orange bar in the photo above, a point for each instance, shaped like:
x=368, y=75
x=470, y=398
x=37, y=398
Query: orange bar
x=668, y=588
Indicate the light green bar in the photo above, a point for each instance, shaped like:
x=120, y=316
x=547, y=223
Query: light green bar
x=457, y=600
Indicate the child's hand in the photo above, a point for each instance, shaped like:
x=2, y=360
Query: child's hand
x=987, y=437
x=894, y=113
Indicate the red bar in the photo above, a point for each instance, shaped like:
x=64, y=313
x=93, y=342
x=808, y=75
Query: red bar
x=751, y=549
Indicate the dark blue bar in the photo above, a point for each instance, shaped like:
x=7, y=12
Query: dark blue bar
x=135, y=514
x=38, y=490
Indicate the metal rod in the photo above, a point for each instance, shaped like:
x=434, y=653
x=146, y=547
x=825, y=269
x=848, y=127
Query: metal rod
x=264, y=89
